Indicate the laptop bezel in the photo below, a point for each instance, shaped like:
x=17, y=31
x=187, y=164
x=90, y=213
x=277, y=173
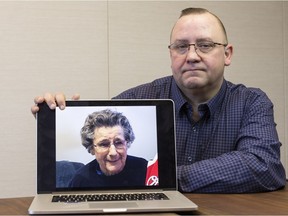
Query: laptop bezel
x=46, y=144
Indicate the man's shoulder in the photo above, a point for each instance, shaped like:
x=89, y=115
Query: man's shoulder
x=158, y=88
x=243, y=89
x=244, y=93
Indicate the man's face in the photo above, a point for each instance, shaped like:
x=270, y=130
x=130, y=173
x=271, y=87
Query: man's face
x=110, y=149
x=202, y=72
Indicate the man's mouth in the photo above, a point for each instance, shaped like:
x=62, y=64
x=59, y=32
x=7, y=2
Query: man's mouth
x=192, y=70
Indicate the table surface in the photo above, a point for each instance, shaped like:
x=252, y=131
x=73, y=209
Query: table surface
x=268, y=203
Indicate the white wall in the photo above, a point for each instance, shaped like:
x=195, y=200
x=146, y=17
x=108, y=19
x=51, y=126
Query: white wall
x=100, y=48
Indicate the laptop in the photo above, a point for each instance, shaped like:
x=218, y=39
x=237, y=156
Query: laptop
x=107, y=171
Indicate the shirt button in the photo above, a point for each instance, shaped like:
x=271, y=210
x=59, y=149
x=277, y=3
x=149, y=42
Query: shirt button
x=194, y=129
x=189, y=159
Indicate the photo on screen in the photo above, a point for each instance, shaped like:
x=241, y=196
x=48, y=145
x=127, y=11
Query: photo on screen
x=73, y=157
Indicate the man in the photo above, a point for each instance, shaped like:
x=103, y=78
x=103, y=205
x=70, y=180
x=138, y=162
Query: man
x=226, y=136
x=107, y=135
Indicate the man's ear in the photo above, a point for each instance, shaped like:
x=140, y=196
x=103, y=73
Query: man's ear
x=228, y=54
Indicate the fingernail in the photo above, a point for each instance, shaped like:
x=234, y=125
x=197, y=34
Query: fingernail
x=53, y=106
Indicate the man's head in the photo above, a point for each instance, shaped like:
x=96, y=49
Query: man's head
x=107, y=135
x=199, y=51
x=195, y=11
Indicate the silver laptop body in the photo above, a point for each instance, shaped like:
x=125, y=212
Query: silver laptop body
x=59, y=150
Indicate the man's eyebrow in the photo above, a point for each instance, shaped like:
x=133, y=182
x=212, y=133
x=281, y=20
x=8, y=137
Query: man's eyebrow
x=203, y=39
x=181, y=41
x=197, y=40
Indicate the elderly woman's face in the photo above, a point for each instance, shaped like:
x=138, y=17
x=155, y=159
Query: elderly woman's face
x=110, y=149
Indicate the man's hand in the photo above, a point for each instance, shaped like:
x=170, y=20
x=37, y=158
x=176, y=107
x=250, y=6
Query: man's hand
x=51, y=100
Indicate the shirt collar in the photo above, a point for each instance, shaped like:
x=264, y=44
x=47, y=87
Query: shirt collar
x=212, y=104
x=215, y=102
x=177, y=97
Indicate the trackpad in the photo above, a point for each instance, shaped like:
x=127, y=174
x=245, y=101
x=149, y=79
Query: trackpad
x=120, y=205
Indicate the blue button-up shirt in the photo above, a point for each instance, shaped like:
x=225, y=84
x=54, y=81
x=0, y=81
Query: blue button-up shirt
x=233, y=148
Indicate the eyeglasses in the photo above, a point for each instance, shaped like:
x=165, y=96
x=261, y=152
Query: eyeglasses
x=106, y=144
x=200, y=47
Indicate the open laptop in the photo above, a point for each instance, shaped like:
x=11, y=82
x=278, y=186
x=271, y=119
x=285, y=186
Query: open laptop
x=62, y=188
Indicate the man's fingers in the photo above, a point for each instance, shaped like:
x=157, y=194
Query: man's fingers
x=38, y=99
x=76, y=97
x=50, y=100
x=60, y=99
x=34, y=110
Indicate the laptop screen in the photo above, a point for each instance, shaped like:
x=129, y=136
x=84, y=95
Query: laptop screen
x=106, y=144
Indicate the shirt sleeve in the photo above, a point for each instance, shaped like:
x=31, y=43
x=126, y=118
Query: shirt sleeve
x=255, y=164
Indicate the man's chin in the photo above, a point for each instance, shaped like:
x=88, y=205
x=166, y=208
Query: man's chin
x=193, y=85
x=192, y=82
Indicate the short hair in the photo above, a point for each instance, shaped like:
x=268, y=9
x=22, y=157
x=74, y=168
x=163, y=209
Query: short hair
x=193, y=11
x=104, y=118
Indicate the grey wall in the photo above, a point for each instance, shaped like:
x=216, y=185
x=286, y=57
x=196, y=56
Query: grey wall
x=100, y=48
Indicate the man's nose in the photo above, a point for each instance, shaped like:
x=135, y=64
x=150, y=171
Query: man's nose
x=193, y=49
x=192, y=53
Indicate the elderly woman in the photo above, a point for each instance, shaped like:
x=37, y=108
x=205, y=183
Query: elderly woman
x=108, y=135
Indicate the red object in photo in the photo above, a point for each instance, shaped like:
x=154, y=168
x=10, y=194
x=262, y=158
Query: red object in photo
x=152, y=175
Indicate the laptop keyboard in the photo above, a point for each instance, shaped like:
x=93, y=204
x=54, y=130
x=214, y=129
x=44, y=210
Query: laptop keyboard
x=109, y=197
